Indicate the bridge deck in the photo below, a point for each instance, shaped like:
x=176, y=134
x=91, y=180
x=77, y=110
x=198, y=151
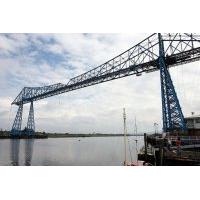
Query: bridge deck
x=143, y=57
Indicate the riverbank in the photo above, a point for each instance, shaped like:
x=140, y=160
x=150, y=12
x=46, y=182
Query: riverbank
x=41, y=135
x=23, y=136
x=61, y=135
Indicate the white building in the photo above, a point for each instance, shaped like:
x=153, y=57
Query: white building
x=193, y=122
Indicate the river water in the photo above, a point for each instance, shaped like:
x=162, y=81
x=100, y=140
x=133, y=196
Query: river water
x=87, y=151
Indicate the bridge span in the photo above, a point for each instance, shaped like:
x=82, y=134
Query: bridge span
x=156, y=52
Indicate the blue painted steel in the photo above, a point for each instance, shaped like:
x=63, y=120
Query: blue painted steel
x=30, y=129
x=143, y=57
x=16, y=128
x=147, y=56
x=173, y=118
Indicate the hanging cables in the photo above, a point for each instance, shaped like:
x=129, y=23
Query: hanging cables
x=195, y=87
x=59, y=100
x=136, y=140
x=125, y=132
x=183, y=81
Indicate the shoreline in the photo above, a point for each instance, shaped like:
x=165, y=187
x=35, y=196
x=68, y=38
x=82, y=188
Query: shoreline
x=84, y=135
x=39, y=135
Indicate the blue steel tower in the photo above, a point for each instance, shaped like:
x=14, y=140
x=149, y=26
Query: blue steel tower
x=173, y=118
x=31, y=122
x=16, y=128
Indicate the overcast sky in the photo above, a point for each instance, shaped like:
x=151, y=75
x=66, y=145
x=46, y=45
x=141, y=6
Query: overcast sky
x=43, y=59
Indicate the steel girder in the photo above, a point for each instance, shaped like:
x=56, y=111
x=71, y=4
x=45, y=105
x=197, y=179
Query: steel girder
x=173, y=118
x=30, y=92
x=143, y=57
x=138, y=59
x=16, y=128
x=31, y=123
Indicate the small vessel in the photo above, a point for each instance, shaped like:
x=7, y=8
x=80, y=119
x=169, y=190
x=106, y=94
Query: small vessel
x=131, y=163
x=139, y=163
x=125, y=133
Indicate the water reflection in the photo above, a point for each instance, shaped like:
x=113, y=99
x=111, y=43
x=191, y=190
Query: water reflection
x=91, y=151
x=28, y=151
x=15, y=151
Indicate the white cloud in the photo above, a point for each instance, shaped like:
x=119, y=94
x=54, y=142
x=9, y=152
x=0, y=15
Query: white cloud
x=12, y=43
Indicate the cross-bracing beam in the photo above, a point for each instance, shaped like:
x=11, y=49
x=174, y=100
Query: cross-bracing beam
x=143, y=57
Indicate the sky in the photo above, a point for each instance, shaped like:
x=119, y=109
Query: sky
x=28, y=60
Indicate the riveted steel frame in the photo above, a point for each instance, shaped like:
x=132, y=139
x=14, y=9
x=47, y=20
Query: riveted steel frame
x=30, y=129
x=180, y=48
x=173, y=118
x=16, y=128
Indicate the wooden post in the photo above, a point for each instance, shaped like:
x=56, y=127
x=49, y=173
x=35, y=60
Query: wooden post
x=161, y=152
x=145, y=146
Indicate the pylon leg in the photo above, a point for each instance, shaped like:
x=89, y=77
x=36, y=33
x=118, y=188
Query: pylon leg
x=173, y=118
x=31, y=122
x=16, y=128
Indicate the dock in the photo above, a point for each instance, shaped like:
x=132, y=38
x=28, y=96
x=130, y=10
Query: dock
x=158, y=152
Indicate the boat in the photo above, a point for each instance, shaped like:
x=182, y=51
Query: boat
x=131, y=163
x=139, y=163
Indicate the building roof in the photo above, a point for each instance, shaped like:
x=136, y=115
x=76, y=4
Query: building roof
x=193, y=117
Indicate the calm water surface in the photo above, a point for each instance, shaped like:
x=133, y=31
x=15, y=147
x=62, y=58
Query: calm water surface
x=67, y=151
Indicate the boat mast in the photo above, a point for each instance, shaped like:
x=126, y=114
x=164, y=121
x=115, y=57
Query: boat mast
x=136, y=140
x=125, y=132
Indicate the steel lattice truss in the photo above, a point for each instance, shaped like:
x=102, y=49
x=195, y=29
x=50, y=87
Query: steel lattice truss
x=173, y=118
x=16, y=128
x=143, y=57
x=31, y=123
